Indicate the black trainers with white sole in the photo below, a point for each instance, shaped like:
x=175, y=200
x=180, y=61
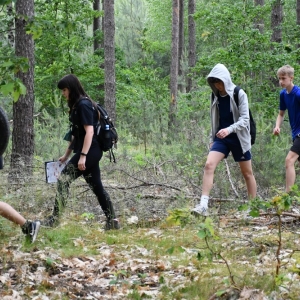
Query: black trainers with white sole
x=35, y=227
x=31, y=229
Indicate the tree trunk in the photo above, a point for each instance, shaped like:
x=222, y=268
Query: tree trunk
x=102, y=25
x=23, y=130
x=276, y=21
x=259, y=24
x=174, y=65
x=192, y=44
x=298, y=20
x=181, y=86
x=96, y=25
x=298, y=12
x=109, y=58
x=10, y=23
x=98, y=46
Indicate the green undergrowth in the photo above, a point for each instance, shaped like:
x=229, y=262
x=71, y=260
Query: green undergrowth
x=232, y=256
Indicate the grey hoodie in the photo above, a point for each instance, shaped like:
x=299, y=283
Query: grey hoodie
x=240, y=114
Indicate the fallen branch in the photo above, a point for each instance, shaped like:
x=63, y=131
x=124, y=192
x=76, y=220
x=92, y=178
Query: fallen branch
x=229, y=177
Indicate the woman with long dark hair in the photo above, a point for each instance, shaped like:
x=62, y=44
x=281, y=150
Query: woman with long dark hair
x=83, y=117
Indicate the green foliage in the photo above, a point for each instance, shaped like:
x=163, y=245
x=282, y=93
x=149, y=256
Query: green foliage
x=65, y=26
x=88, y=216
x=130, y=21
x=51, y=128
x=179, y=216
x=281, y=202
x=207, y=230
x=175, y=248
x=9, y=84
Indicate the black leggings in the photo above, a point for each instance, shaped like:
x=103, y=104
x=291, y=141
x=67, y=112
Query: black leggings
x=92, y=177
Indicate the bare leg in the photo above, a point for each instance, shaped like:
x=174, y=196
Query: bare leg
x=246, y=169
x=290, y=174
x=212, y=161
x=29, y=228
x=11, y=214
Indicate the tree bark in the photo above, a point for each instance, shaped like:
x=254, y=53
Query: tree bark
x=10, y=34
x=174, y=65
x=259, y=24
x=181, y=86
x=298, y=12
x=23, y=129
x=276, y=21
x=192, y=44
x=109, y=59
x=96, y=25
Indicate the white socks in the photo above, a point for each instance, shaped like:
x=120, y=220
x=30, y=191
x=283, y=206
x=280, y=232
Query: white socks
x=204, y=201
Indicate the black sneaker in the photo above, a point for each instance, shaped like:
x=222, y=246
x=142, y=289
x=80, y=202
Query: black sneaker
x=34, y=228
x=49, y=221
x=112, y=224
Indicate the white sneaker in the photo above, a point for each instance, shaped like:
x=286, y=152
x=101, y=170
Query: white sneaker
x=200, y=210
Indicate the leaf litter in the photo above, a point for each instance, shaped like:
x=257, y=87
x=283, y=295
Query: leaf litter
x=117, y=269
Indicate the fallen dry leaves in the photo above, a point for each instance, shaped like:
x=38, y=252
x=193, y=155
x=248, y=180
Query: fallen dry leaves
x=112, y=274
x=119, y=269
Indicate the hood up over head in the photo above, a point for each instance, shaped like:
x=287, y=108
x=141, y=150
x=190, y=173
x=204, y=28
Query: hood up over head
x=221, y=72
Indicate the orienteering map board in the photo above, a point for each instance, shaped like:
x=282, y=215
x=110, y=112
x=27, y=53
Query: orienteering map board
x=53, y=170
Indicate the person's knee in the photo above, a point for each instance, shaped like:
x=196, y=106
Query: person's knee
x=209, y=166
x=289, y=162
x=248, y=174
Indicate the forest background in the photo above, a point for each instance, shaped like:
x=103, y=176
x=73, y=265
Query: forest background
x=252, y=38
x=163, y=51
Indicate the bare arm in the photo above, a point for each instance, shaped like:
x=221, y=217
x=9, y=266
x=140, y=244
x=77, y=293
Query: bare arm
x=279, y=120
x=67, y=153
x=89, y=133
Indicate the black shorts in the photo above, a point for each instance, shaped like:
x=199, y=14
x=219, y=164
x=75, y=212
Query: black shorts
x=296, y=146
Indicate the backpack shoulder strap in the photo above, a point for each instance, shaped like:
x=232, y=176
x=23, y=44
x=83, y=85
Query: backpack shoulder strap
x=236, y=95
x=94, y=104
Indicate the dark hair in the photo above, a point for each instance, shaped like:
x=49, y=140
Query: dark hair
x=214, y=80
x=72, y=83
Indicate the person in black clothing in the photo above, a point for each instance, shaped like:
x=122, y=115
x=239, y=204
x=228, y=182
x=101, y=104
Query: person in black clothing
x=83, y=117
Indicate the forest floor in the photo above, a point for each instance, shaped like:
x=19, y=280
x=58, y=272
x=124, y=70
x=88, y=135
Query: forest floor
x=161, y=251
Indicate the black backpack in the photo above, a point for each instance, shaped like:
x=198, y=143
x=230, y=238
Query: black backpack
x=252, y=122
x=106, y=132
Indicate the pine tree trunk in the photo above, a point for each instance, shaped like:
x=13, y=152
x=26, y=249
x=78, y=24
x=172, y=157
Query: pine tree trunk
x=96, y=25
x=298, y=12
x=174, y=65
x=298, y=19
x=109, y=58
x=23, y=130
x=181, y=86
x=10, y=33
x=192, y=44
x=276, y=21
x=98, y=46
x=259, y=24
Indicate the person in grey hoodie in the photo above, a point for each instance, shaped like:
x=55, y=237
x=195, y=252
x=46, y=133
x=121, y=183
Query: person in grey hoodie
x=230, y=132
